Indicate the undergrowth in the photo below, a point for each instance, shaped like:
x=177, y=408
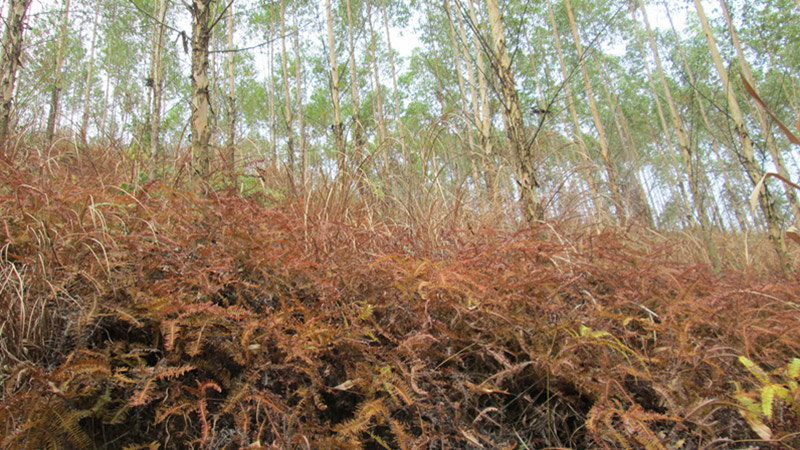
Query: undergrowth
x=151, y=315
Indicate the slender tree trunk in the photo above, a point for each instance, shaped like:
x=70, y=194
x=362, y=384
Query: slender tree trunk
x=700, y=102
x=526, y=170
x=214, y=91
x=601, y=135
x=52, y=118
x=378, y=97
x=231, y=144
x=480, y=109
x=682, y=139
x=685, y=148
x=338, y=126
x=9, y=61
x=397, y=106
x=588, y=170
x=87, y=92
x=201, y=105
x=634, y=196
x=273, y=116
x=747, y=156
x=761, y=115
x=733, y=199
x=482, y=112
x=299, y=98
x=104, y=116
x=643, y=203
x=358, y=128
x=288, y=110
x=462, y=89
x=157, y=80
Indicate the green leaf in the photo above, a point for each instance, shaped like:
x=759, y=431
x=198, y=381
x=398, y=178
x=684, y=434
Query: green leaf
x=755, y=370
x=782, y=393
x=750, y=406
x=794, y=368
x=588, y=332
x=767, y=397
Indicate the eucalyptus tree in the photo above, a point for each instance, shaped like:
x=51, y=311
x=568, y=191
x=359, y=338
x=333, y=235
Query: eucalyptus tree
x=481, y=113
x=122, y=49
x=766, y=26
x=299, y=91
x=231, y=138
x=288, y=113
x=747, y=154
x=686, y=149
x=156, y=79
x=440, y=62
x=395, y=93
x=52, y=117
x=10, y=60
x=201, y=132
x=761, y=115
x=583, y=149
x=265, y=20
x=377, y=96
x=635, y=198
x=697, y=158
x=533, y=208
x=465, y=107
x=338, y=126
x=601, y=135
x=356, y=124
x=87, y=93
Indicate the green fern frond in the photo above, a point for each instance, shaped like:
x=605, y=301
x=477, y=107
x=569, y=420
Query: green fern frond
x=767, y=398
x=755, y=370
x=793, y=368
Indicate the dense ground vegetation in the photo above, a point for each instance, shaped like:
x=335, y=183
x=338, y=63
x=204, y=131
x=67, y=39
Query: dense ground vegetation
x=157, y=314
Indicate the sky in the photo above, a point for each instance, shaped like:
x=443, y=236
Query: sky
x=405, y=40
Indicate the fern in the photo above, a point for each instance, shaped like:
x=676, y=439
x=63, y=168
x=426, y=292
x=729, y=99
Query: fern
x=365, y=412
x=169, y=373
x=401, y=436
x=151, y=446
x=117, y=416
x=69, y=423
x=758, y=406
x=143, y=395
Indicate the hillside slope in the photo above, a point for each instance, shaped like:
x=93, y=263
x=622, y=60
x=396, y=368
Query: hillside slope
x=155, y=316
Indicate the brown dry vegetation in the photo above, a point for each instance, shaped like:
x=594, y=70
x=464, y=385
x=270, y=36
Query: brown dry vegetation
x=155, y=316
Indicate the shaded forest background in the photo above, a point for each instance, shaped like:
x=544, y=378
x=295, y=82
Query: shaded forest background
x=621, y=114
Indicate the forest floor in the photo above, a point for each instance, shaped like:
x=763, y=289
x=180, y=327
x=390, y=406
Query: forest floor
x=157, y=316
